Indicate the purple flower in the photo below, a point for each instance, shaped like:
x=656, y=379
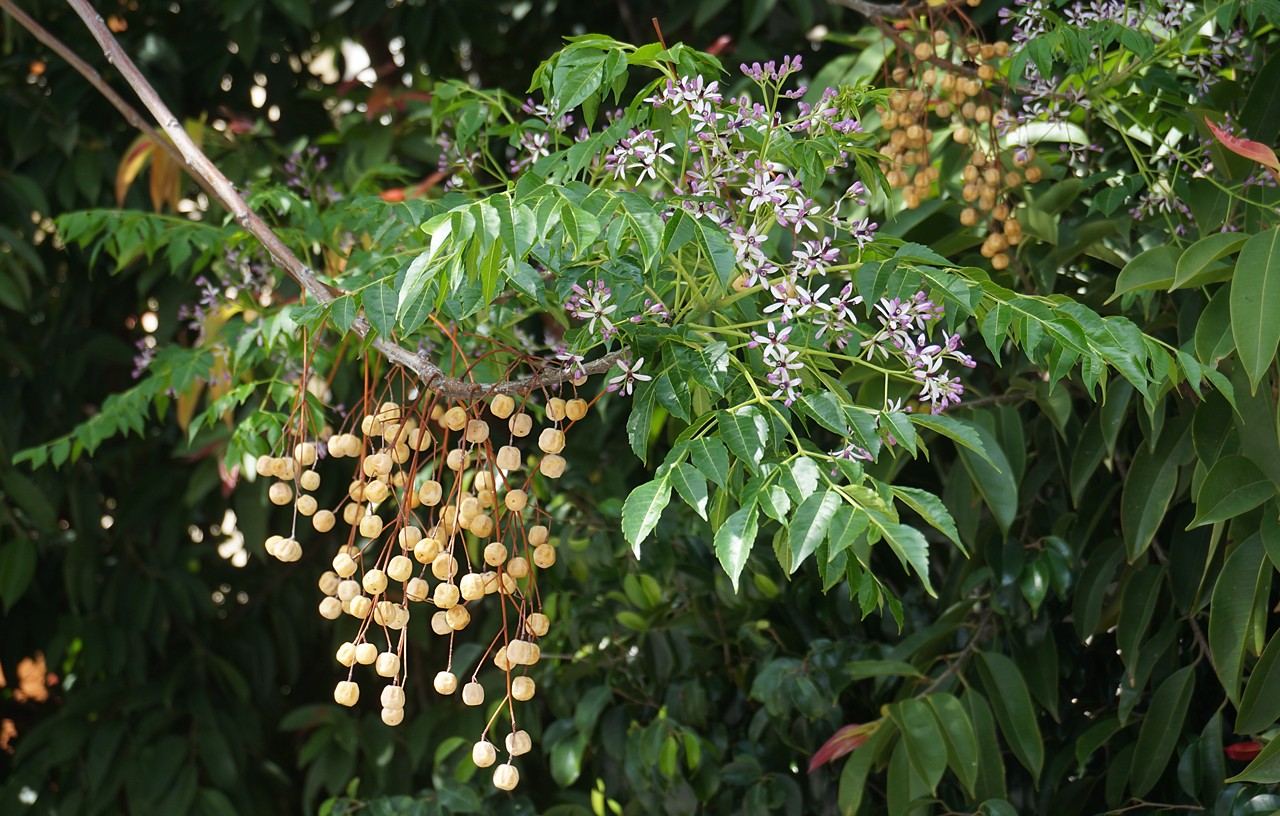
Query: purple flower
x=625, y=382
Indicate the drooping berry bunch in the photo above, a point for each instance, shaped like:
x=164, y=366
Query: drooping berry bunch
x=964, y=103
x=439, y=513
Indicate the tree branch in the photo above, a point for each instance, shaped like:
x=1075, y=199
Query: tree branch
x=220, y=187
x=879, y=11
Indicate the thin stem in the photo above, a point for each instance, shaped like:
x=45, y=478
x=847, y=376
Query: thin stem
x=224, y=191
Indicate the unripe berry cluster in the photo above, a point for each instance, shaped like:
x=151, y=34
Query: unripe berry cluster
x=438, y=512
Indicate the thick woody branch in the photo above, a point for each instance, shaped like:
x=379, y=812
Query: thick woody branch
x=199, y=165
x=880, y=11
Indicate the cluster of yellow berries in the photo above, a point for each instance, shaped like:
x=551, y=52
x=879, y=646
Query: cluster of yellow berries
x=965, y=107
x=434, y=497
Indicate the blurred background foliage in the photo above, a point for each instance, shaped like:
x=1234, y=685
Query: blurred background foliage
x=154, y=663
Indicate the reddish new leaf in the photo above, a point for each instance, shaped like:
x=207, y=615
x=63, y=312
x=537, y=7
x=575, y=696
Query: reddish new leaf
x=1243, y=751
x=842, y=742
x=1256, y=151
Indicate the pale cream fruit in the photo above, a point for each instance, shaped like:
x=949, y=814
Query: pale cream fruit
x=328, y=582
x=440, y=623
x=551, y=440
x=376, y=491
x=500, y=660
x=520, y=424
x=392, y=697
x=359, y=607
x=323, y=521
x=457, y=617
x=344, y=565
x=280, y=494
x=374, y=581
x=538, y=534
x=556, y=409
x=352, y=514
x=445, y=682
x=309, y=480
x=306, y=505
x=523, y=688
x=518, y=651
x=348, y=589
x=366, y=654
x=538, y=624
x=508, y=457
x=457, y=460
x=392, y=716
x=483, y=754
x=408, y=537
x=506, y=777
x=426, y=550
x=331, y=608
x=516, y=500
x=264, y=464
x=346, y=693
x=387, y=665
x=399, y=568
x=502, y=406
x=272, y=544
x=371, y=526
x=455, y=419
x=346, y=654
x=518, y=742
x=444, y=566
x=517, y=567
x=430, y=493
x=477, y=431
x=473, y=694
x=494, y=553
x=576, y=409
x=305, y=453
x=416, y=590
x=544, y=556
x=445, y=596
x=552, y=466
x=481, y=526
x=471, y=587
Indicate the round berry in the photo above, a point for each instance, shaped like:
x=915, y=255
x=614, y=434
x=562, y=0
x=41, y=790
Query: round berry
x=544, y=556
x=430, y=492
x=575, y=409
x=347, y=654
x=552, y=466
x=518, y=742
x=457, y=617
x=483, y=754
x=376, y=491
x=305, y=453
x=280, y=494
x=538, y=534
x=371, y=526
x=445, y=682
x=555, y=409
x=416, y=590
x=517, y=567
x=323, y=521
x=502, y=406
x=455, y=419
x=471, y=587
x=392, y=697
x=306, y=505
x=392, y=716
x=352, y=514
x=346, y=693
x=331, y=608
x=359, y=607
x=473, y=694
x=344, y=565
x=501, y=661
x=537, y=624
x=551, y=440
x=328, y=583
x=348, y=589
x=457, y=460
x=408, y=537
x=400, y=568
x=506, y=777
x=518, y=652
x=440, y=623
x=444, y=566
x=425, y=551
x=520, y=424
x=516, y=500
x=310, y=480
x=477, y=431
x=445, y=596
x=374, y=581
x=264, y=465
x=366, y=654
x=387, y=665
x=522, y=688
x=508, y=457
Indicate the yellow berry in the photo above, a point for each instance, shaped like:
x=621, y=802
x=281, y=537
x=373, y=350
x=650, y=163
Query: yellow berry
x=392, y=716
x=331, y=608
x=516, y=500
x=544, y=556
x=387, y=665
x=552, y=466
x=346, y=693
x=457, y=617
x=555, y=409
x=347, y=654
x=430, y=492
x=440, y=623
x=506, y=777
x=305, y=453
x=348, y=589
x=444, y=566
x=576, y=409
x=374, y=581
x=455, y=419
x=523, y=688
x=495, y=553
x=502, y=406
x=508, y=457
x=520, y=424
x=537, y=624
x=416, y=590
x=457, y=460
x=399, y=568
x=306, y=505
x=446, y=596
x=551, y=440
x=445, y=683
x=366, y=654
x=426, y=550
x=392, y=697
x=473, y=694
x=477, y=431
x=538, y=534
x=371, y=526
x=280, y=494
x=328, y=582
x=344, y=565
x=517, y=567
x=359, y=607
x=309, y=480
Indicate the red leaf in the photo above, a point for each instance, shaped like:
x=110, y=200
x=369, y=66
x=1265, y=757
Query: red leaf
x=1243, y=751
x=1256, y=151
x=842, y=742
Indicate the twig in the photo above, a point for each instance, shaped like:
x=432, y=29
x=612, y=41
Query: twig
x=224, y=191
x=879, y=11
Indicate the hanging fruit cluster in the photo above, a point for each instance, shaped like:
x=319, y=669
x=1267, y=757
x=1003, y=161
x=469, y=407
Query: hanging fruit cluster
x=948, y=86
x=438, y=516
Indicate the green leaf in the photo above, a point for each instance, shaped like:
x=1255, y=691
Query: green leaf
x=958, y=431
x=862, y=669
x=380, y=308
x=800, y=478
x=1152, y=269
x=642, y=509
x=746, y=432
x=962, y=743
x=931, y=509
x=824, y=407
x=1260, y=705
x=1011, y=704
x=1255, y=302
x=709, y=454
x=1213, y=339
x=809, y=525
x=734, y=540
x=1202, y=254
x=911, y=548
x=922, y=738
x=1147, y=492
x=1095, y=737
x=1233, y=486
x=993, y=477
x=691, y=484
x=1161, y=729
x=853, y=777
x=1138, y=604
x=17, y=568
x=1230, y=612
